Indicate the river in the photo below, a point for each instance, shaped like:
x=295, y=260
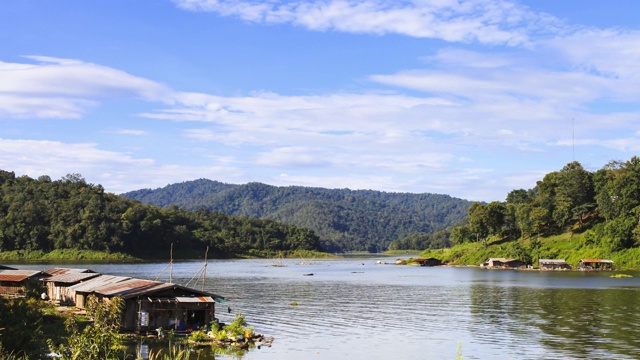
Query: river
x=356, y=309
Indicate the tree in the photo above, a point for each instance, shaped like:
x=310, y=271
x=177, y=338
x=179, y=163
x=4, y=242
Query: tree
x=100, y=340
x=479, y=221
x=496, y=212
x=21, y=320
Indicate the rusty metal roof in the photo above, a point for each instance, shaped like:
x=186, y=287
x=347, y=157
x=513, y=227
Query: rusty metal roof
x=97, y=282
x=132, y=287
x=596, y=261
x=71, y=278
x=194, y=299
x=63, y=271
x=18, y=275
x=126, y=287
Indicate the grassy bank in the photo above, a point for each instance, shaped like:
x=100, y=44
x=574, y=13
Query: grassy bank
x=65, y=254
x=90, y=255
x=290, y=254
x=568, y=246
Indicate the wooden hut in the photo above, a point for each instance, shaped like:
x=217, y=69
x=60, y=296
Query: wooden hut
x=58, y=286
x=502, y=263
x=15, y=282
x=428, y=262
x=151, y=304
x=553, y=264
x=595, y=265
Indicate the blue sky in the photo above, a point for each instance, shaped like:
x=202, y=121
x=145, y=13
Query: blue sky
x=467, y=98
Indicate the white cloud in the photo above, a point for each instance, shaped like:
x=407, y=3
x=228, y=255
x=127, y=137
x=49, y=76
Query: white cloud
x=65, y=88
x=484, y=21
x=117, y=172
x=131, y=132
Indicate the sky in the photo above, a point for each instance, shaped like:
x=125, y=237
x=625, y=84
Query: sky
x=471, y=99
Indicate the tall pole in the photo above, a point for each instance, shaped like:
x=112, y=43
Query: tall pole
x=573, y=135
x=204, y=272
x=171, y=264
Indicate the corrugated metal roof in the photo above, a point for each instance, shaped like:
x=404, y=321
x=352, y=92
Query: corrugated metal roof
x=552, y=261
x=109, y=285
x=18, y=275
x=71, y=278
x=132, y=287
x=596, y=261
x=63, y=271
x=98, y=282
x=194, y=299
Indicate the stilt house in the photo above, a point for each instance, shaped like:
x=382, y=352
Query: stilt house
x=502, y=263
x=595, y=265
x=553, y=264
x=151, y=304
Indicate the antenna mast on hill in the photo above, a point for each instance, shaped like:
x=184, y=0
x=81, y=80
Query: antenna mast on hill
x=573, y=143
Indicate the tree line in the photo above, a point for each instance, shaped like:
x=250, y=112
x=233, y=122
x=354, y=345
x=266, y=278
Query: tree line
x=43, y=214
x=344, y=219
x=607, y=200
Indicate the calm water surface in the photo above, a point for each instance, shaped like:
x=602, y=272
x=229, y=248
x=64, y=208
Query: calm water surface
x=355, y=309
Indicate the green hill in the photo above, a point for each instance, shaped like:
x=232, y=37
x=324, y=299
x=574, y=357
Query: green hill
x=571, y=214
x=70, y=217
x=345, y=220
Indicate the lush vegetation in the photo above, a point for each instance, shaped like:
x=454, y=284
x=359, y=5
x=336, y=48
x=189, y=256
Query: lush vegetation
x=28, y=325
x=570, y=214
x=345, y=220
x=99, y=340
x=77, y=220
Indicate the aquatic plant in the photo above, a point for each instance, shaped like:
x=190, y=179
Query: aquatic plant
x=198, y=335
x=174, y=354
x=459, y=351
x=238, y=326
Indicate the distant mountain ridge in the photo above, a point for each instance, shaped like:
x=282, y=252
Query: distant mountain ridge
x=345, y=220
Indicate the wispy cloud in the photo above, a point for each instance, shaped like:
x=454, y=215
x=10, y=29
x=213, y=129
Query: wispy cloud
x=118, y=172
x=483, y=21
x=131, y=132
x=65, y=88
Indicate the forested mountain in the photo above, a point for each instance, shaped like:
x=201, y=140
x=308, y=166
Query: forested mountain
x=603, y=205
x=345, y=220
x=70, y=214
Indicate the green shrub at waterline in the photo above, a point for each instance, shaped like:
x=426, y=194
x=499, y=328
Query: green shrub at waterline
x=65, y=254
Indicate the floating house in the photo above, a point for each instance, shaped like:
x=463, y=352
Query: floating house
x=502, y=263
x=554, y=264
x=150, y=304
x=428, y=262
x=61, y=279
x=15, y=282
x=595, y=265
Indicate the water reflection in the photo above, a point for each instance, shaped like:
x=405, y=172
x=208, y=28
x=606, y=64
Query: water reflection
x=348, y=310
x=575, y=323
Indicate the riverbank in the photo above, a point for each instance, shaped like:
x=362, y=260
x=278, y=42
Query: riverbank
x=105, y=256
x=568, y=246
